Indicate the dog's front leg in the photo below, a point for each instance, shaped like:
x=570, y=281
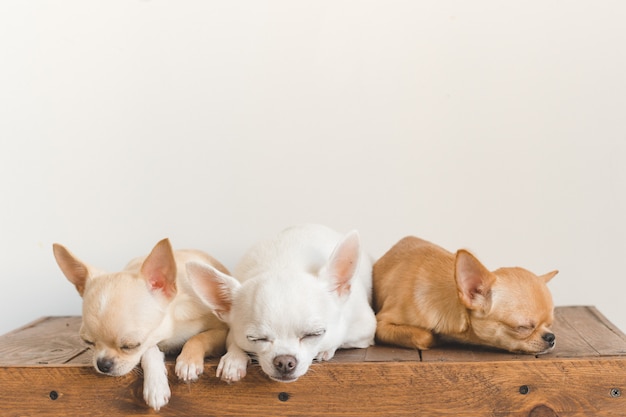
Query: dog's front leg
x=233, y=364
x=190, y=362
x=156, y=389
x=404, y=335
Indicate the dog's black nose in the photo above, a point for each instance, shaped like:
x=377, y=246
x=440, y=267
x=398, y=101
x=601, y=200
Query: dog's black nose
x=285, y=364
x=104, y=365
x=549, y=337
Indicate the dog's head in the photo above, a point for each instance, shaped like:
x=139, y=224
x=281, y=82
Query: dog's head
x=510, y=308
x=285, y=320
x=123, y=312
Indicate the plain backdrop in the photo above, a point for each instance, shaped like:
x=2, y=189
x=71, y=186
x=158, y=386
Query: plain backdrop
x=495, y=126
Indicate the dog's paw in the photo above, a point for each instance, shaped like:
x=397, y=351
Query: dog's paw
x=156, y=392
x=189, y=367
x=326, y=355
x=232, y=366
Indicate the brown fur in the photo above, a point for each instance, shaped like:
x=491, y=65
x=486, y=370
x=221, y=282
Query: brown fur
x=423, y=293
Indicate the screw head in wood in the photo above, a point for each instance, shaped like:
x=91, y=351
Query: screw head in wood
x=524, y=389
x=53, y=395
x=283, y=396
x=616, y=392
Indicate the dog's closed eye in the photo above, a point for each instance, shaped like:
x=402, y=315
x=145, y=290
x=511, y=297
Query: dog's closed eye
x=129, y=346
x=88, y=342
x=313, y=334
x=256, y=339
x=523, y=330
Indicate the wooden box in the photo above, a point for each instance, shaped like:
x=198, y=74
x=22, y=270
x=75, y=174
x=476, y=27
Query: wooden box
x=45, y=370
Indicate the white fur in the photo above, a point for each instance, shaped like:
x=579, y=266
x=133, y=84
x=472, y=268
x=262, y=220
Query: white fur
x=301, y=296
x=156, y=389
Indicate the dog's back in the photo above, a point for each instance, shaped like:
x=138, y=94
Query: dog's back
x=414, y=284
x=302, y=248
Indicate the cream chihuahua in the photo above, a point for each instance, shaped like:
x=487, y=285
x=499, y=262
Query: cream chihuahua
x=424, y=294
x=302, y=295
x=145, y=310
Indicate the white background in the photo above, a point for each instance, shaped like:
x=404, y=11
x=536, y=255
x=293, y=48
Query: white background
x=496, y=126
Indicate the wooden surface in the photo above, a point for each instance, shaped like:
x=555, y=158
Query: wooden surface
x=46, y=371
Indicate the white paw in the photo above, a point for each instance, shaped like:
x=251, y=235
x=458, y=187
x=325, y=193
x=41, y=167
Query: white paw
x=188, y=369
x=326, y=355
x=232, y=366
x=156, y=391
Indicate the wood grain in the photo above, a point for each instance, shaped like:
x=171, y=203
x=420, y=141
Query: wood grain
x=50, y=340
x=569, y=387
x=585, y=376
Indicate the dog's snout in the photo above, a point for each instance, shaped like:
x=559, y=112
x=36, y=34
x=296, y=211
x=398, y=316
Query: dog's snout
x=549, y=338
x=285, y=364
x=105, y=365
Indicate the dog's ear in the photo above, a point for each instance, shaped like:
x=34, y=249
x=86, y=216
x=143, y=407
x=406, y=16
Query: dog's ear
x=547, y=277
x=473, y=281
x=215, y=288
x=159, y=270
x=343, y=263
x=76, y=271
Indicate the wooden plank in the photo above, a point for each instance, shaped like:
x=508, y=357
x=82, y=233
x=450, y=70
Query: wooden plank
x=84, y=358
x=46, y=372
x=602, y=318
x=606, y=340
x=461, y=353
x=350, y=355
x=569, y=343
x=391, y=353
x=568, y=387
x=51, y=340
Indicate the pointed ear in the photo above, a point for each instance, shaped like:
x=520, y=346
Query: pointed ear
x=215, y=288
x=547, y=277
x=473, y=281
x=74, y=270
x=159, y=270
x=343, y=263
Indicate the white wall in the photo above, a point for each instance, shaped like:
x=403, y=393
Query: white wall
x=497, y=126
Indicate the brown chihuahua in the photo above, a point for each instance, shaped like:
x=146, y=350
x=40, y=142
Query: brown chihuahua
x=424, y=294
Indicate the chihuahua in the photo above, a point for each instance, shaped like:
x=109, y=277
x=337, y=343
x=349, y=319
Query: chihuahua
x=301, y=296
x=424, y=294
x=148, y=309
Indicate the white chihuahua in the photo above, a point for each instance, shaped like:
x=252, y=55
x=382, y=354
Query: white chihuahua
x=302, y=295
x=148, y=308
